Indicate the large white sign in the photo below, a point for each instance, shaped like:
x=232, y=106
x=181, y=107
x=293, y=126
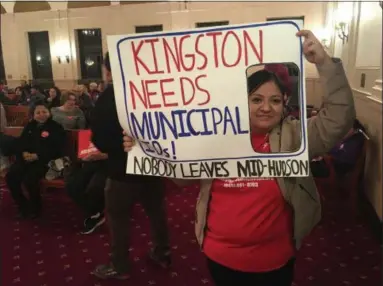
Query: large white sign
x=183, y=96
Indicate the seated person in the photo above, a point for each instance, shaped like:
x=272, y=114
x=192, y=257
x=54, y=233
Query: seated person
x=10, y=98
x=54, y=97
x=85, y=185
x=93, y=91
x=2, y=86
x=84, y=100
x=343, y=156
x=41, y=141
x=101, y=87
x=31, y=98
x=68, y=114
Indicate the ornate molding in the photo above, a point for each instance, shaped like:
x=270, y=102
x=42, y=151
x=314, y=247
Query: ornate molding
x=377, y=90
x=24, y=6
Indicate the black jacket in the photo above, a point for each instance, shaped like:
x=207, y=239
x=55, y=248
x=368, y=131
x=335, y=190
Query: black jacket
x=107, y=135
x=47, y=140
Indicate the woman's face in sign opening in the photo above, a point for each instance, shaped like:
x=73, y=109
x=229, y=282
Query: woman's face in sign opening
x=266, y=107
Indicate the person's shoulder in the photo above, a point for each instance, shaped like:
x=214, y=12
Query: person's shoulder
x=108, y=91
x=290, y=131
x=78, y=110
x=31, y=125
x=290, y=122
x=54, y=124
x=106, y=97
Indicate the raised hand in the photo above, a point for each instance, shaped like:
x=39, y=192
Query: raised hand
x=313, y=49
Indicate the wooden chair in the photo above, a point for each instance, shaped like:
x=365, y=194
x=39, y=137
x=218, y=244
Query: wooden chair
x=16, y=115
x=14, y=131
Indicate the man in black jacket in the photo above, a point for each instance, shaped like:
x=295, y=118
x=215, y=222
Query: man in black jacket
x=122, y=189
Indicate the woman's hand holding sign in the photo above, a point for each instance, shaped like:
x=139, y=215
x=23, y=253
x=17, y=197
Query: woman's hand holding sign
x=128, y=142
x=313, y=49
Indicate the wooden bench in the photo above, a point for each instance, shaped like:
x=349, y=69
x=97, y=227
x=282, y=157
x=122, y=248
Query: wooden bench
x=70, y=151
x=16, y=115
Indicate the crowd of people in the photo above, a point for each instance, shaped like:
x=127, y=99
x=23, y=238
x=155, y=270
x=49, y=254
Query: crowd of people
x=250, y=233
x=42, y=141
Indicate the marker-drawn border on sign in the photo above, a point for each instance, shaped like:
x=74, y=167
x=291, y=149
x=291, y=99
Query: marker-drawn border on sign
x=222, y=28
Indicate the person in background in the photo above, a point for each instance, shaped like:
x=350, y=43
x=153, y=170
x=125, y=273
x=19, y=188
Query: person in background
x=123, y=190
x=9, y=98
x=2, y=87
x=84, y=101
x=41, y=141
x=85, y=185
x=93, y=91
x=21, y=95
x=68, y=114
x=25, y=85
x=36, y=93
x=54, y=97
x=34, y=96
x=254, y=240
x=25, y=88
x=101, y=87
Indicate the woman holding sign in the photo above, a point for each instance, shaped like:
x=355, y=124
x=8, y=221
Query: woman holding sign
x=250, y=229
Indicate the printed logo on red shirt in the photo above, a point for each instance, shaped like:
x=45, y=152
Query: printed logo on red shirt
x=44, y=134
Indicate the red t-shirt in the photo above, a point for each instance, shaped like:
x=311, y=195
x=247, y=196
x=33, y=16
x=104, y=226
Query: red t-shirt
x=249, y=225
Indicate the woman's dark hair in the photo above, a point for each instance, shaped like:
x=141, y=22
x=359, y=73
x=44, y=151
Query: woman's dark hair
x=35, y=86
x=58, y=91
x=261, y=77
x=107, y=62
x=35, y=105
